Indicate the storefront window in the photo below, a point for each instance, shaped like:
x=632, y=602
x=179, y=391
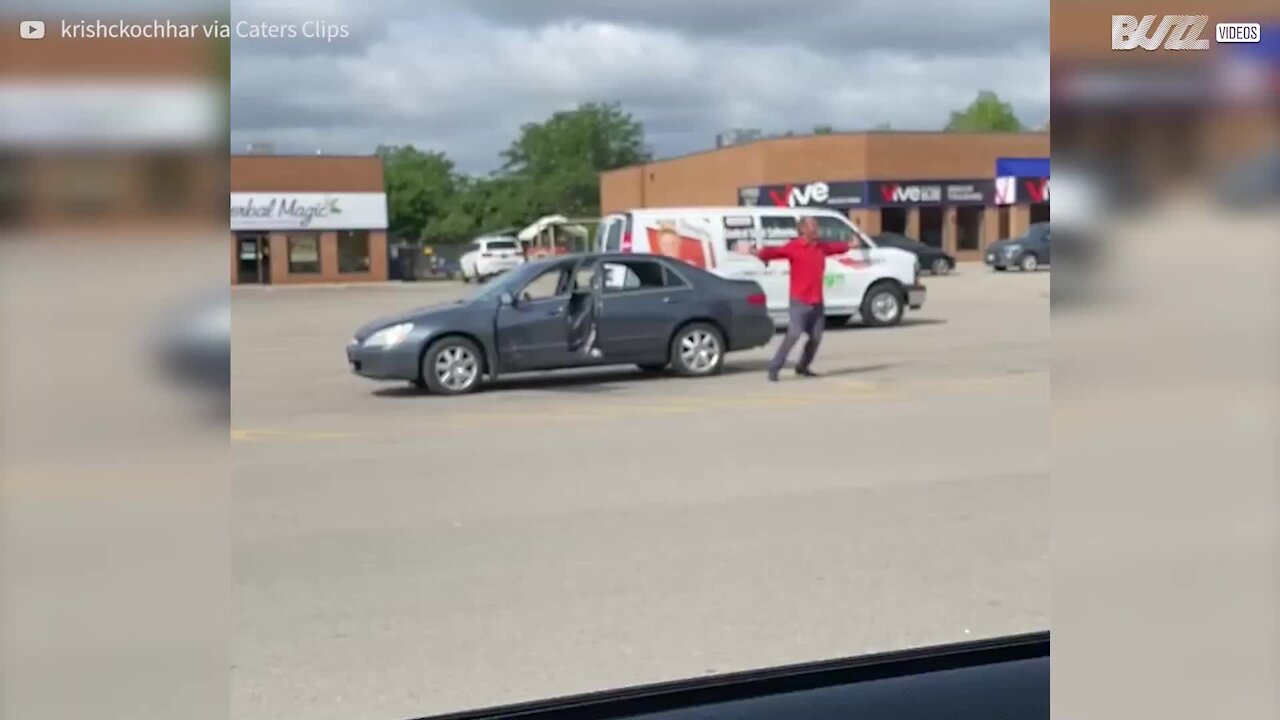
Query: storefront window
x=968, y=227
x=304, y=253
x=353, y=251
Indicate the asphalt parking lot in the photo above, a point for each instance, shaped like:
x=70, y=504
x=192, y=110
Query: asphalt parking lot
x=398, y=554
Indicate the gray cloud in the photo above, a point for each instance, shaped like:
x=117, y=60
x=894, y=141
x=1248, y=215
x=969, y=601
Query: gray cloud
x=463, y=80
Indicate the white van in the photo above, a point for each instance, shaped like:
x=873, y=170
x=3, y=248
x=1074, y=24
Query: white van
x=877, y=284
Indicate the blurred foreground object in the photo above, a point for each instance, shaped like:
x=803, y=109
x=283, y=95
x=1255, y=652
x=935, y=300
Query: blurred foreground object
x=113, y=519
x=1166, y=410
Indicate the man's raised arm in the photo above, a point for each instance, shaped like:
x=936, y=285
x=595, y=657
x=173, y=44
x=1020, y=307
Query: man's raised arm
x=778, y=252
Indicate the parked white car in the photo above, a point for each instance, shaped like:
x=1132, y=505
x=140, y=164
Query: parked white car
x=875, y=283
x=490, y=255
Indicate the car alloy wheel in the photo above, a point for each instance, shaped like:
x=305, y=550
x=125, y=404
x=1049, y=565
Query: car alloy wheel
x=700, y=350
x=1029, y=263
x=697, y=350
x=940, y=267
x=456, y=368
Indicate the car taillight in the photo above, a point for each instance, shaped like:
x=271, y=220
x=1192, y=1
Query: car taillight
x=626, y=242
x=756, y=299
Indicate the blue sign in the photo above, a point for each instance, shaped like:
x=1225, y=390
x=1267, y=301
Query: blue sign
x=1022, y=167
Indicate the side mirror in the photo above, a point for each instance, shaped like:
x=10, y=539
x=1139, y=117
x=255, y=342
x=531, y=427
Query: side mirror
x=507, y=298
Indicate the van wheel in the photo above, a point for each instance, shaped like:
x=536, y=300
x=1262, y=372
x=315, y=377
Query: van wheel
x=697, y=350
x=882, y=307
x=452, y=366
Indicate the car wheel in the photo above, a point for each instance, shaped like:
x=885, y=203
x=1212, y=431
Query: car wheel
x=652, y=368
x=697, y=350
x=838, y=320
x=882, y=307
x=998, y=268
x=941, y=266
x=1029, y=262
x=452, y=366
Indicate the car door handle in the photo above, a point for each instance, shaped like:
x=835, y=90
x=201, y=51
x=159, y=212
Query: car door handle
x=555, y=311
x=668, y=300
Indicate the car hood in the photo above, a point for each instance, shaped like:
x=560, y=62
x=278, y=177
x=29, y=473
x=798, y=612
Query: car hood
x=433, y=313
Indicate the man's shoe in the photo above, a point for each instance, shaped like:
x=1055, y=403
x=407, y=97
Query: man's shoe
x=806, y=372
x=773, y=376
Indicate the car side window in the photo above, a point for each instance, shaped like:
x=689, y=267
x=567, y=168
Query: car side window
x=635, y=275
x=545, y=286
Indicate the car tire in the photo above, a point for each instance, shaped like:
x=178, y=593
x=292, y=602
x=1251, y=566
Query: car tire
x=837, y=320
x=454, y=354
x=1029, y=263
x=697, y=350
x=998, y=268
x=941, y=266
x=883, y=305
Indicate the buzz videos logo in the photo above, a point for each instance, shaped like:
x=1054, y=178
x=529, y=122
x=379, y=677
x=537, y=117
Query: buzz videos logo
x=1176, y=32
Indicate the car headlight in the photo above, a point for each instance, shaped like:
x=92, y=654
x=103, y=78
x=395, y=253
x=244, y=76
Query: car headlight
x=389, y=337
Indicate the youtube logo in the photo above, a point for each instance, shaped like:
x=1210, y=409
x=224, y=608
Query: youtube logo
x=31, y=29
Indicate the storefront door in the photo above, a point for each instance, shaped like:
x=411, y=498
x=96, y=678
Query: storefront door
x=254, y=264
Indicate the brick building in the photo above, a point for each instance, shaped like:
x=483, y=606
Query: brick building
x=307, y=219
x=939, y=187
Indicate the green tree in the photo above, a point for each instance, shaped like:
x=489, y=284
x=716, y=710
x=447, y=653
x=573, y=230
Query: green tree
x=822, y=130
x=555, y=165
x=881, y=127
x=987, y=113
x=423, y=191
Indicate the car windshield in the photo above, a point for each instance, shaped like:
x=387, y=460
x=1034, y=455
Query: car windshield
x=501, y=245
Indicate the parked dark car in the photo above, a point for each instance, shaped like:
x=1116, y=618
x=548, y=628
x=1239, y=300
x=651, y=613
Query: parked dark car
x=1000, y=678
x=566, y=312
x=932, y=259
x=1026, y=253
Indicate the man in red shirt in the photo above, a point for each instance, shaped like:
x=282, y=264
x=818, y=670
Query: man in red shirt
x=808, y=258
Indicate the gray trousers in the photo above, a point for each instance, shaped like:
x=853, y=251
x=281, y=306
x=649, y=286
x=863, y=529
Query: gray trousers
x=802, y=319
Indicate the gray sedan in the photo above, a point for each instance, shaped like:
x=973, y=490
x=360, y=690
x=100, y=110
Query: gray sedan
x=566, y=312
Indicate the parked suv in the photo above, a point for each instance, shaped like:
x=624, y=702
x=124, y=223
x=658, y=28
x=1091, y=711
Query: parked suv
x=490, y=255
x=1026, y=253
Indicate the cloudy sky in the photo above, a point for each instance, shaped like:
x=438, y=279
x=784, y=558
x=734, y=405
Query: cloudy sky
x=461, y=76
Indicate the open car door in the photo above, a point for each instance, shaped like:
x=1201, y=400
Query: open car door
x=586, y=305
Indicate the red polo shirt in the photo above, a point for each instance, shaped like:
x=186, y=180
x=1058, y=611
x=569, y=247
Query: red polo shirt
x=808, y=265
